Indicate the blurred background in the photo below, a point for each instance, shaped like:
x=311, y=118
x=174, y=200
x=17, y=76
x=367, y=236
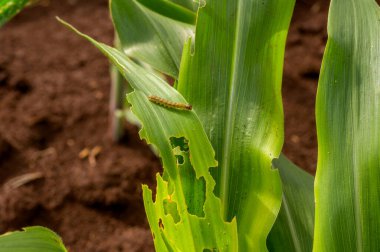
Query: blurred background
x=58, y=165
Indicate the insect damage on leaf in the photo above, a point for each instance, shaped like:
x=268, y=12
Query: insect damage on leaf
x=169, y=104
x=194, y=188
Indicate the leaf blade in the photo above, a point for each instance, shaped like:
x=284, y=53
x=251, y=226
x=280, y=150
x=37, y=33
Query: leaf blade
x=148, y=36
x=31, y=239
x=348, y=118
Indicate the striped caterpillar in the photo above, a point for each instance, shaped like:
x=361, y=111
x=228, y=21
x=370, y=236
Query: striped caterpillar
x=169, y=104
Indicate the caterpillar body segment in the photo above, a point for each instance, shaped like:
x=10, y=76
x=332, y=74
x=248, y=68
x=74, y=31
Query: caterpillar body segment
x=169, y=104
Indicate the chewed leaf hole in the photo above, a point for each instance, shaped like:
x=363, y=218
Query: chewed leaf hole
x=180, y=142
x=194, y=189
x=180, y=159
x=170, y=207
x=160, y=224
x=214, y=173
x=209, y=250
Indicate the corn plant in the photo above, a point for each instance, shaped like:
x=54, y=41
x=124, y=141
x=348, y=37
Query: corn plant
x=130, y=19
x=220, y=129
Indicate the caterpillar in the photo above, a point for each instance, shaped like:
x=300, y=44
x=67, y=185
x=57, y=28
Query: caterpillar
x=169, y=104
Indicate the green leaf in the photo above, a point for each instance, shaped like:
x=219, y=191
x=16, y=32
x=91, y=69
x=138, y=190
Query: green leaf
x=172, y=9
x=347, y=186
x=232, y=77
x=186, y=215
x=294, y=226
x=149, y=36
x=31, y=239
x=9, y=8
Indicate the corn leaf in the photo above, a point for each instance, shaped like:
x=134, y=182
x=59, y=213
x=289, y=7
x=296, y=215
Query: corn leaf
x=189, y=4
x=232, y=77
x=9, y=8
x=31, y=239
x=149, y=36
x=347, y=186
x=186, y=215
x=294, y=226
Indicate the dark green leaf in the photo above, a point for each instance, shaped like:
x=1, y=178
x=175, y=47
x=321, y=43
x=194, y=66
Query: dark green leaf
x=149, y=36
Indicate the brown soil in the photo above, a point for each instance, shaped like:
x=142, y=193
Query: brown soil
x=54, y=90
x=305, y=46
